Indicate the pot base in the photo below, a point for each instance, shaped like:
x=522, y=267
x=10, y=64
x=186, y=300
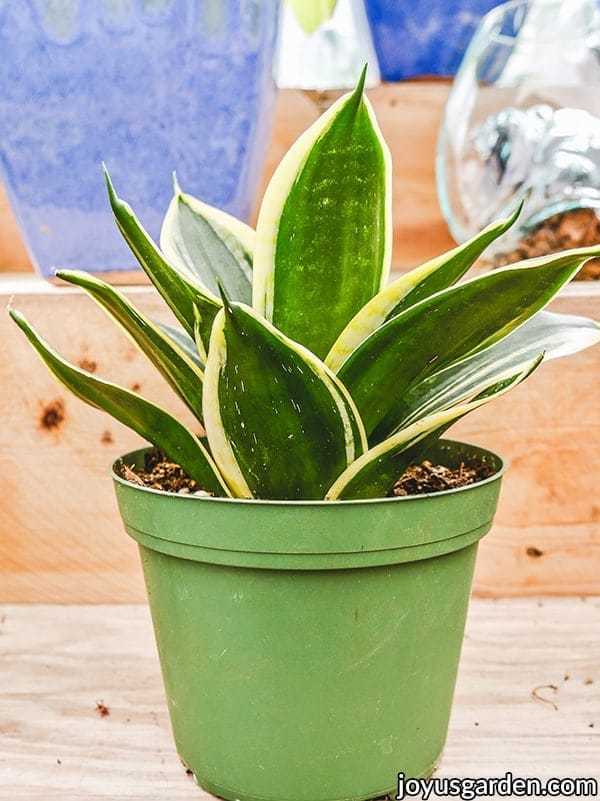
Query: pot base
x=234, y=795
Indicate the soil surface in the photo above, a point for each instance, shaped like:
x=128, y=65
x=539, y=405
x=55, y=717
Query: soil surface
x=570, y=229
x=161, y=474
x=427, y=477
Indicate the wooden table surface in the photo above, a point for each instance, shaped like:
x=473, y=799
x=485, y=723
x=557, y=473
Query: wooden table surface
x=527, y=701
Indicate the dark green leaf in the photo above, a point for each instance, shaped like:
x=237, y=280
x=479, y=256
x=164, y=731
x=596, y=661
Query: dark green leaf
x=374, y=473
x=323, y=238
x=278, y=422
x=446, y=328
x=412, y=287
x=148, y=420
x=554, y=335
x=180, y=292
x=171, y=361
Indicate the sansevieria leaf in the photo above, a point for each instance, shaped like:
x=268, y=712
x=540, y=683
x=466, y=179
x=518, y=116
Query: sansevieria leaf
x=278, y=422
x=412, y=287
x=374, y=473
x=552, y=334
x=148, y=420
x=445, y=328
x=180, y=292
x=183, y=341
x=172, y=362
x=210, y=245
x=324, y=234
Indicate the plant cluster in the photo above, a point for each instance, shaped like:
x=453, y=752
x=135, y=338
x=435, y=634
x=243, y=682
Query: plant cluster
x=311, y=377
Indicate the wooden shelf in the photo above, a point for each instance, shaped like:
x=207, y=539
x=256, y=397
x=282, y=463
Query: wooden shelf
x=61, y=539
x=59, y=662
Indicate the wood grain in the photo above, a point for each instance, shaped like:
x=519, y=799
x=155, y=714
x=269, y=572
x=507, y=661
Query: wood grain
x=409, y=115
x=59, y=662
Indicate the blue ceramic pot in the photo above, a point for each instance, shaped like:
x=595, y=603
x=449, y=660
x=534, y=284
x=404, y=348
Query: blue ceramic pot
x=147, y=86
x=423, y=38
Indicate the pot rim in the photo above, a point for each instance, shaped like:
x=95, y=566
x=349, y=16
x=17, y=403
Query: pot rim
x=444, y=444
x=314, y=534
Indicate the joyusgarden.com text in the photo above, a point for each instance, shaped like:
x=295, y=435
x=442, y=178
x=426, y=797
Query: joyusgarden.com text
x=508, y=785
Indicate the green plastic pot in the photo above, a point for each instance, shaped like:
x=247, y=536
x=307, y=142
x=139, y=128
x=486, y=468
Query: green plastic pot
x=309, y=650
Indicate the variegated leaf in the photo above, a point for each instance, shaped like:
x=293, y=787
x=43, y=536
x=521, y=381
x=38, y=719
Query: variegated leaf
x=184, y=341
x=180, y=292
x=209, y=245
x=172, y=362
x=374, y=473
x=552, y=334
x=278, y=422
x=446, y=328
x=324, y=233
x=148, y=420
x=412, y=287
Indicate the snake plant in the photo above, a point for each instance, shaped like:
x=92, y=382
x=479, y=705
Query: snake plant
x=311, y=376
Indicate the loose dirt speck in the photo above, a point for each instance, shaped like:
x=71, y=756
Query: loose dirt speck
x=534, y=552
x=102, y=709
x=106, y=438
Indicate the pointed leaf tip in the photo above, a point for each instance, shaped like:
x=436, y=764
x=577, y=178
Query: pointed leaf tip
x=15, y=315
x=355, y=97
x=176, y=187
x=224, y=297
x=360, y=86
x=112, y=195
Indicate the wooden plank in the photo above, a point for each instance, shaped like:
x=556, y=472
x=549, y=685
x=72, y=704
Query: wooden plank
x=61, y=538
x=59, y=662
x=409, y=114
x=546, y=537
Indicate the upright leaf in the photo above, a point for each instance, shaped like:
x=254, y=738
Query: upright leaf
x=180, y=292
x=412, y=287
x=210, y=245
x=148, y=420
x=277, y=420
x=446, y=328
x=172, y=362
x=374, y=473
x=323, y=238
